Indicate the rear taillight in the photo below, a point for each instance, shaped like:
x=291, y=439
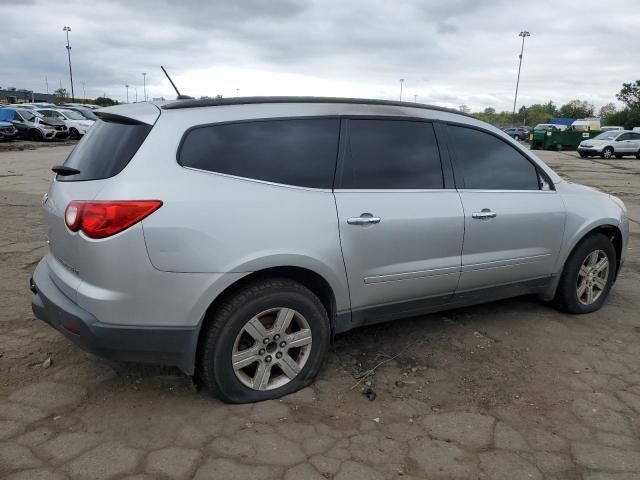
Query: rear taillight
x=101, y=219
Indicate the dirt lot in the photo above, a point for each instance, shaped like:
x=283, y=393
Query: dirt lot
x=506, y=390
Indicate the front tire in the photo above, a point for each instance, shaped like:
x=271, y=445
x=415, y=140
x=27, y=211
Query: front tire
x=587, y=276
x=266, y=341
x=607, y=153
x=74, y=134
x=36, y=136
x=583, y=155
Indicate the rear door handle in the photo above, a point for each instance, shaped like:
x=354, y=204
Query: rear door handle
x=484, y=214
x=364, y=219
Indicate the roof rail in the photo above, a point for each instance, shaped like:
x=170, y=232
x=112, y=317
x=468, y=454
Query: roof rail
x=215, y=102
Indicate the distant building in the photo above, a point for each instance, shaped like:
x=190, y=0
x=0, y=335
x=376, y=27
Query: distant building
x=21, y=95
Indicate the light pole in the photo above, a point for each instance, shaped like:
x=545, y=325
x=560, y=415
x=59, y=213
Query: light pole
x=415, y=98
x=84, y=91
x=135, y=89
x=144, y=84
x=127, y=87
x=524, y=34
x=401, y=82
x=67, y=30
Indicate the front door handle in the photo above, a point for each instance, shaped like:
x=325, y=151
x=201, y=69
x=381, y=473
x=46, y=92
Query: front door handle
x=484, y=214
x=364, y=219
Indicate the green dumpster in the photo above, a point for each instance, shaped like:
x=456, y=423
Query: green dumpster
x=550, y=139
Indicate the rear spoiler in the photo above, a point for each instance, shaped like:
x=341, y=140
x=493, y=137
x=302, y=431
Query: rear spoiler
x=130, y=113
x=112, y=117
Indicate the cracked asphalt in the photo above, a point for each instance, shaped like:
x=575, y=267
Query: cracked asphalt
x=507, y=390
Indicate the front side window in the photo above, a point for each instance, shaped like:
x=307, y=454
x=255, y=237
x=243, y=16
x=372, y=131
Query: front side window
x=391, y=154
x=299, y=152
x=488, y=163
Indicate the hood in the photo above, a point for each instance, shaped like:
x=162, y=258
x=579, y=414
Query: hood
x=54, y=122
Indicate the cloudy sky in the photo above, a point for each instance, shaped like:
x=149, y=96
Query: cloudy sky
x=449, y=52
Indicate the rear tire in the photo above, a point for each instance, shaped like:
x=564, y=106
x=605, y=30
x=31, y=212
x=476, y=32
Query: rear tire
x=638, y=155
x=607, y=153
x=231, y=339
x=584, y=271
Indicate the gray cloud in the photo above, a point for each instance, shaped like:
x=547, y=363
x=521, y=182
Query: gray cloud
x=454, y=52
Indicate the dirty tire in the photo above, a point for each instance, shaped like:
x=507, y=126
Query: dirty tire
x=607, y=153
x=567, y=296
x=215, y=371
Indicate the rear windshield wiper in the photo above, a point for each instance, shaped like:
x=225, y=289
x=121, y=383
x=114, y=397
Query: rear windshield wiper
x=64, y=171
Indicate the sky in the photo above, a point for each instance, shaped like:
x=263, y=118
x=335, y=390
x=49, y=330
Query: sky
x=449, y=53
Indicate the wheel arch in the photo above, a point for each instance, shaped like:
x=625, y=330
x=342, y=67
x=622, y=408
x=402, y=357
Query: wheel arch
x=311, y=279
x=610, y=230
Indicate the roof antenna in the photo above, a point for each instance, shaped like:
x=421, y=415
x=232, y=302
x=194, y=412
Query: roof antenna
x=180, y=96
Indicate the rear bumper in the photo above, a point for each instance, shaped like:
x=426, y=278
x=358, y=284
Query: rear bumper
x=173, y=346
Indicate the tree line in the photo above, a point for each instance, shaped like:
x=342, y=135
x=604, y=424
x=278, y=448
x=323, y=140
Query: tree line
x=628, y=117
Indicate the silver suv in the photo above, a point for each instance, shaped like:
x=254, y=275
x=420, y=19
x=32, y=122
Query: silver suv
x=612, y=143
x=232, y=238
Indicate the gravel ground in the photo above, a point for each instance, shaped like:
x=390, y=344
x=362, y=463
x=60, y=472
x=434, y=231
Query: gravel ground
x=506, y=390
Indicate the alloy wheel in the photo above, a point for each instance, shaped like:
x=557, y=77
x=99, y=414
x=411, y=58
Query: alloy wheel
x=272, y=348
x=592, y=277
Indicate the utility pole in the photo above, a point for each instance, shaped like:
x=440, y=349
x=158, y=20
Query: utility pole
x=67, y=30
x=524, y=34
x=144, y=85
x=401, y=82
x=127, y=87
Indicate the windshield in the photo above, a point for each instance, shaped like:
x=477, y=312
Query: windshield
x=607, y=135
x=88, y=114
x=27, y=115
x=71, y=115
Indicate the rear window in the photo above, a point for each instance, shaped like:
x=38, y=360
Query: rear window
x=105, y=150
x=299, y=152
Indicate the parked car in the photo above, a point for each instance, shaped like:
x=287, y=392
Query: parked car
x=33, y=126
x=77, y=124
x=234, y=237
x=550, y=127
x=519, y=133
x=7, y=131
x=618, y=143
x=84, y=111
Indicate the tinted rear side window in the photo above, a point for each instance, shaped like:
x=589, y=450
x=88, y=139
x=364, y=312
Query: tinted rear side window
x=299, y=152
x=105, y=150
x=391, y=154
x=488, y=163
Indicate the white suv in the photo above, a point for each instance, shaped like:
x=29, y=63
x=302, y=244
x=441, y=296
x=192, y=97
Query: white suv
x=614, y=143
